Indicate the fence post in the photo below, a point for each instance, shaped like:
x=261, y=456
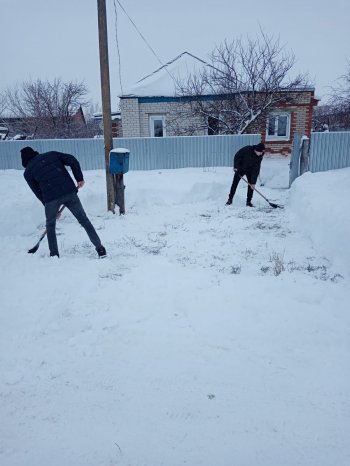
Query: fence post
x=304, y=157
x=294, y=159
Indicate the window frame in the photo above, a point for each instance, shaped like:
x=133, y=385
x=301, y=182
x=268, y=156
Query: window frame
x=152, y=119
x=275, y=137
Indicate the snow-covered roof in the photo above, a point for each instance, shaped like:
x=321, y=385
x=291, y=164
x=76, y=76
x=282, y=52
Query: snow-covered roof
x=99, y=115
x=162, y=82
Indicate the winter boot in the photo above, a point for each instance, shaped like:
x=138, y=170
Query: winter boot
x=249, y=204
x=101, y=251
x=229, y=201
x=54, y=254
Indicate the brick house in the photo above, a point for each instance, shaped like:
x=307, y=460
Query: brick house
x=152, y=109
x=116, y=124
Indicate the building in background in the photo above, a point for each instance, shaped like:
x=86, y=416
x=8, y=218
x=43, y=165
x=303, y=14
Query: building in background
x=116, y=124
x=154, y=108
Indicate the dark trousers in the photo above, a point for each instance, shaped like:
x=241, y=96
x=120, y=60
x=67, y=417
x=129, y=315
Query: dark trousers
x=236, y=180
x=72, y=202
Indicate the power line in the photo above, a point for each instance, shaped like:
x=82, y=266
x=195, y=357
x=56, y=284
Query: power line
x=144, y=39
x=116, y=38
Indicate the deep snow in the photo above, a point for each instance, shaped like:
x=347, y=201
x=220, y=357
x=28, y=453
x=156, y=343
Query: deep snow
x=186, y=345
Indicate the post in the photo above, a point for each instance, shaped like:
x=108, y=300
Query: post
x=119, y=189
x=106, y=99
x=304, y=156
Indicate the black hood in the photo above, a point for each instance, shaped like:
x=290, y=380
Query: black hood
x=27, y=154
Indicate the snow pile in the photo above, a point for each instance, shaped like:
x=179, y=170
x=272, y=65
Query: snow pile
x=319, y=204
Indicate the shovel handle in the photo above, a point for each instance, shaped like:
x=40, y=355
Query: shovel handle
x=254, y=189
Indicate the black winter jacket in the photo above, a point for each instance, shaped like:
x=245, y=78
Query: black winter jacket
x=246, y=161
x=48, y=178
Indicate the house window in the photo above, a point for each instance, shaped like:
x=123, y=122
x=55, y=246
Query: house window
x=278, y=127
x=157, y=126
x=213, y=126
x=216, y=125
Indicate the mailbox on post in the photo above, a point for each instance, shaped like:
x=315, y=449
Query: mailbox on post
x=119, y=161
x=118, y=165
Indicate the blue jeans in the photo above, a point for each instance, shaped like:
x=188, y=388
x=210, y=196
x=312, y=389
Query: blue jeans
x=72, y=202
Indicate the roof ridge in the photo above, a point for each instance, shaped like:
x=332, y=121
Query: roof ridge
x=171, y=62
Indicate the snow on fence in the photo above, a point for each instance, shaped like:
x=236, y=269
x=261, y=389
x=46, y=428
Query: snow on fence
x=145, y=153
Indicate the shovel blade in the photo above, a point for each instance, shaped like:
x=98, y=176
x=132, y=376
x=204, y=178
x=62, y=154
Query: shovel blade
x=34, y=249
x=276, y=206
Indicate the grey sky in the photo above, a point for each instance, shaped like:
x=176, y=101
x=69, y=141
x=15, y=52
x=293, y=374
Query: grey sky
x=48, y=39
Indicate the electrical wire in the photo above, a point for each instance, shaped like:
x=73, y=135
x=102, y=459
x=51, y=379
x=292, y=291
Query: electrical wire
x=165, y=66
x=118, y=51
x=144, y=39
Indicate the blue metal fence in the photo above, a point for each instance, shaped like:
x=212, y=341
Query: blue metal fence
x=145, y=153
x=89, y=152
x=329, y=151
x=323, y=151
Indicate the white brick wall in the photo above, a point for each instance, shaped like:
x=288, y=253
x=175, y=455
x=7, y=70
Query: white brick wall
x=135, y=116
x=130, y=118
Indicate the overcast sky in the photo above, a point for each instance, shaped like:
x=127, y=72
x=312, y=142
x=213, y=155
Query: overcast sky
x=47, y=39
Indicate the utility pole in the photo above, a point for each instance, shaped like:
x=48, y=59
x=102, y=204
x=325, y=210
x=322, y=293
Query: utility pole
x=106, y=99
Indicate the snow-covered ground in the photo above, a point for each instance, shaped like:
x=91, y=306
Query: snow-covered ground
x=209, y=336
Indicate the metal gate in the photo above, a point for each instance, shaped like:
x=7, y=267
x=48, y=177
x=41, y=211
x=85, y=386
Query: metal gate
x=295, y=159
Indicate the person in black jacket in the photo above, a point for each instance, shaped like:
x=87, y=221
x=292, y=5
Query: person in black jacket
x=247, y=162
x=48, y=178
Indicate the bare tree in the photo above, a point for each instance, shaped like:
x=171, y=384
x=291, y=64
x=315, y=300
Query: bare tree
x=48, y=108
x=242, y=80
x=4, y=130
x=340, y=101
x=335, y=114
x=3, y=104
x=322, y=117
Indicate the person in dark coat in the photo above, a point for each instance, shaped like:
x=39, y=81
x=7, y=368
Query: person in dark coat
x=247, y=162
x=48, y=178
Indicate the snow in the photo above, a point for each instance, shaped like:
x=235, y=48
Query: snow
x=319, y=200
x=163, y=81
x=120, y=150
x=188, y=344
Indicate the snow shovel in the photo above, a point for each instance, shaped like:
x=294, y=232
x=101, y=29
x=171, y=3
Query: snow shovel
x=36, y=247
x=275, y=206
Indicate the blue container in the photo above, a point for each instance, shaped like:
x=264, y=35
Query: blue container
x=119, y=161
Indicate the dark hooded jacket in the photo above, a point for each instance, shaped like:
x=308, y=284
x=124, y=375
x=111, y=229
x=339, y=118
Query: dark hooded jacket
x=246, y=161
x=46, y=173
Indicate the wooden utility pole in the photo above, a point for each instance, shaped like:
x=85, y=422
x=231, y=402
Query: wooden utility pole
x=106, y=99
